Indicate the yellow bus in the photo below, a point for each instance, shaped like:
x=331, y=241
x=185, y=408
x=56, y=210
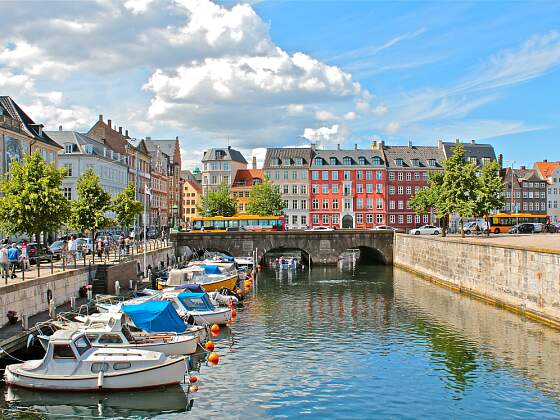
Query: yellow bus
x=501, y=222
x=238, y=223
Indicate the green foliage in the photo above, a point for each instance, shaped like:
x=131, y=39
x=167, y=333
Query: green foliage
x=489, y=192
x=88, y=212
x=32, y=200
x=430, y=197
x=219, y=203
x=127, y=207
x=265, y=200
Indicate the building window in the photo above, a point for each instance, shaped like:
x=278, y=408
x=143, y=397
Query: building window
x=332, y=161
x=360, y=203
x=392, y=218
x=369, y=188
x=334, y=188
x=408, y=176
x=409, y=190
x=325, y=175
x=379, y=188
x=399, y=162
x=400, y=176
x=369, y=203
x=303, y=205
x=426, y=218
x=294, y=189
x=376, y=160
x=325, y=204
x=391, y=190
x=68, y=148
x=315, y=219
x=334, y=175
x=286, y=161
x=400, y=189
x=335, y=219
x=417, y=219
x=325, y=188
x=369, y=218
x=294, y=174
x=359, y=218
x=325, y=219
x=379, y=219
x=294, y=219
x=68, y=169
x=299, y=161
x=391, y=176
x=303, y=188
x=315, y=175
x=379, y=204
x=303, y=174
x=415, y=162
x=392, y=205
x=347, y=161
x=335, y=204
x=346, y=175
x=359, y=188
x=304, y=220
x=362, y=160
x=409, y=219
x=401, y=205
x=315, y=204
x=401, y=219
x=347, y=204
x=294, y=204
x=431, y=162
x=89, y=149
x=318, y=161
x=314, y=188
x=67, y=193
x=359, y=175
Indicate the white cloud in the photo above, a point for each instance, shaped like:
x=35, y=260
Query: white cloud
x=14, y=83
x=51, y=115
x=392, y=127
x=137, y=7
x=326, y=137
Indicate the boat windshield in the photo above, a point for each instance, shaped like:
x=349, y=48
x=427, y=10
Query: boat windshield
x=195, y=303
x=82, y=344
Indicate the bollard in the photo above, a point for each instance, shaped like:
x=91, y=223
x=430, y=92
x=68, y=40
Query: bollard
x=117, y=288
x=52, y=266
x=52, y=309
x=25, y=321
x=73, y=302
x=38, y=267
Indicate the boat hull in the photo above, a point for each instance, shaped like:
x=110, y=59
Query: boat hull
x=214, y=286
x=175, y=348
x=170, y=373
x=220, y=317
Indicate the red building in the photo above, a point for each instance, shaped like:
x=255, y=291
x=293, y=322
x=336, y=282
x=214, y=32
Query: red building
x=347, y=188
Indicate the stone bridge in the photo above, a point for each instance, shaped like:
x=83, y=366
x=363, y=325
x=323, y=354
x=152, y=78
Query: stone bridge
x=323, y=247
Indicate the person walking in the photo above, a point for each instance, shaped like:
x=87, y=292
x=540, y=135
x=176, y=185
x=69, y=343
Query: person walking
x=99, y=247
x=13, y=258
x=127, y=244
x=4, y=262
x=24, y=257
x=72, y=248
x=106, y=246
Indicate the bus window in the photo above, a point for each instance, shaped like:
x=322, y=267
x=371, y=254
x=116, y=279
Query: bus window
x=207, y=224
x=234, y=223
x=243, y=222
x=219, y=224
x=197, y=224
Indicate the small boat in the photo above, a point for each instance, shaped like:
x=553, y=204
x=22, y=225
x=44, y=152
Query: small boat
x=244, y=262
x=223, y=297
x=72, y=364
x=197, y=308
x=290, y=263
x=111, y=330
x=212, y=277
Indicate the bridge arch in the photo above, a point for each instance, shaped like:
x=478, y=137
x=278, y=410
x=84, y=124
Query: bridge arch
x=271, y=254
x=366, y=255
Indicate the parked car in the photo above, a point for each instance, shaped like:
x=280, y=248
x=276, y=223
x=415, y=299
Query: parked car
x=85, y=244
x=38, y=252
x=319, y=229
x=425, y=230
x=539, y=227
x=522, y=228
x=471, y=227
x=385, y=227
x=56, y=249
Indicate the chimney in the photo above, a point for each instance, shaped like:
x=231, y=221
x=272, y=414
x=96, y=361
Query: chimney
x=500, y=159
x=457, y=141
x=545, y=160
x=59, y=128
x=177, y=138
x=473, y=141
x=410, y=144
x=312, y=146
x=126, y=133
x=109, y=123
x=120, y=130
x=254, y=162
x=355, y=146
x=522, y=167
x=374, y=145
x=148, y=138
x=229, y=147
x=338, y=146
x=440, y=144
x=101, y=117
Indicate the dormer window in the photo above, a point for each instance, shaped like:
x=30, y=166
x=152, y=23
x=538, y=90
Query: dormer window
x=376, y=160
x=286, y=161
x=299, y=161
x=362, y=160
x=486, y=160
x=473, y=159
x=332, y=161
x=416, y=162
x=68, y=148
x=275, y=162
x=319, y=161
x=399, y=162
x=347, y=161
x=431, y=162
x=89, y=149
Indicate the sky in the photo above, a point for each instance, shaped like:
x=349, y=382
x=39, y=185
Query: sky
x=278, y=73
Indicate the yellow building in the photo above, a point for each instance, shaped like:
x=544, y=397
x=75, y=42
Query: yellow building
x=244, y=181
x=192, y=192
x=20, y=135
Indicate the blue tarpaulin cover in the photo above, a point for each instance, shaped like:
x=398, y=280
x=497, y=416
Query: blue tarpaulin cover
x=212, y=269
x=196, y=301
x=152, y=317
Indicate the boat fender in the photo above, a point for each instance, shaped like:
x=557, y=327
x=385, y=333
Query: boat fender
x=100, y=379
x=30, y=341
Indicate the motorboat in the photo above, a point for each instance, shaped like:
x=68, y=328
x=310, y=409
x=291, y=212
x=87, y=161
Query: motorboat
x=212, y=277
x=71, y=363
x=287, y=263
x=197, y=308
x=222, y=297
x=111, y=330
x=244, y=262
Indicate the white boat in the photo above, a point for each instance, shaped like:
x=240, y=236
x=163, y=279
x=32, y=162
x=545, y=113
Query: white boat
x=212, y=277
x=72, y=364
x=284, y=263
x=245, y=262
x=197, y=308
x=110, y=330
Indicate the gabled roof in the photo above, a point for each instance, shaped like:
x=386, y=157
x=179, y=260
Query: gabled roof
x=472, y=150
x=414, y=156
x=524, y=174
x=80, y=141
x=9, y=107
x=166, y=146
x=545, y=169
x=354, y=154
x=139, y=144
x=223, y=154
x=306, y=153
x=194, y=184
x=244, y=177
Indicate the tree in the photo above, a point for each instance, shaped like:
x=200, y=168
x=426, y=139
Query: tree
x=489, y=192
x=88, y=213
x=32, y=200
x=219, y=203
x=127, y=207
x=431, y=198
x=265, y=199
x=460, y=183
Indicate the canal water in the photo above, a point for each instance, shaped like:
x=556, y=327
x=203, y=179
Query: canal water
x=373, y=342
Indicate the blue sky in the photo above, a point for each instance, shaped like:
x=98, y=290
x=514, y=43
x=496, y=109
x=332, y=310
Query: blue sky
x=275, y=73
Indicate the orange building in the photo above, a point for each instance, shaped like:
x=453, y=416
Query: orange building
x=241, y=188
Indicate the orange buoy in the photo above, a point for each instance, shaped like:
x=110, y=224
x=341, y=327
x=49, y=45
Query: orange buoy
x=247, y=283
x=193, y=379
x=194, y=388
x=214, y=334
x=215, y=328
x=209, y=345
x=213, y=358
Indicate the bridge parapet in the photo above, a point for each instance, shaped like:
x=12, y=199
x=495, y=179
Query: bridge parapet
x=323, y=247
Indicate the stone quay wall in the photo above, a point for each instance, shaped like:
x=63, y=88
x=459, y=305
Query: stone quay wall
x=519, y=279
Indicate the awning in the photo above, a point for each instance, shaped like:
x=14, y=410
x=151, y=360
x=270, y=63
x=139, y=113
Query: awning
x=152, y=317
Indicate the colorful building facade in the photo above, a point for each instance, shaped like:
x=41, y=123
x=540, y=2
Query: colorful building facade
x=244, y=181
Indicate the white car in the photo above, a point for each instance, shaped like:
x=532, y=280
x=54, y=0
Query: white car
x=384, y=227
x=425, y=230
x=319, y=229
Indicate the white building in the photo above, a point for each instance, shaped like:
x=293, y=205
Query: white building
x=81, y=153
x=551, y=172
x=220, y=165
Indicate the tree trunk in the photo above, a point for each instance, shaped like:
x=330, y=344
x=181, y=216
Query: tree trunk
x=487, y=227
x=462, y=230
x=444, y=226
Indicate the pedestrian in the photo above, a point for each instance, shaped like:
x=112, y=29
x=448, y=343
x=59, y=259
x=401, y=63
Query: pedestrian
x=121, y=244
x=72, y=248
x=106, y=245
x=127, y=245
x=24, y=257
x=13, y=258
x=4, y=262
x=99, y=247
